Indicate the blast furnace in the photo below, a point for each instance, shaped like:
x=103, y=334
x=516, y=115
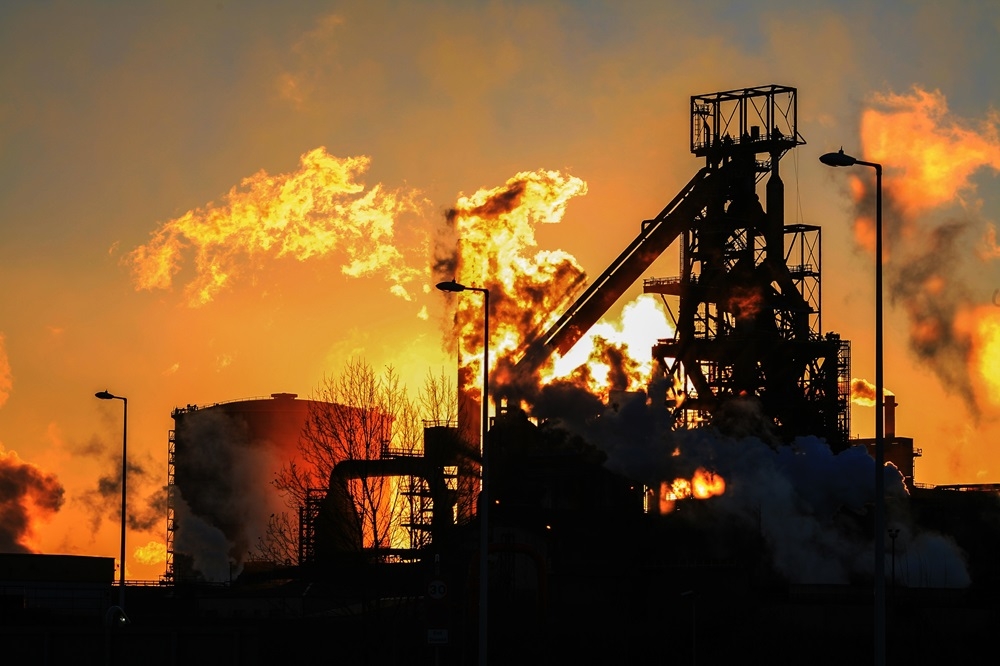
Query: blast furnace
x=746, y=304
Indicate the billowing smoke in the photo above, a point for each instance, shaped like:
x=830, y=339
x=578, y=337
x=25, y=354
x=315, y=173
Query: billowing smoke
x=926, y=284
x=223, y=495
x=154, y=552
x=810, y=506
x=146, y=501
x=489, y=241
x=923, y=277
x=210, y=550
x=863, y=392
x=26, y=494
x=930, y=157
x=315, y=211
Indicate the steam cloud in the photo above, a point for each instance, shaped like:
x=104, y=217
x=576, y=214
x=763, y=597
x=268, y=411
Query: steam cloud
x=26, y=492
x=221, y=504
x=206, y=544
x=806, y=502
x=489, y=241
x=930, y=157
x=145, y=509
x=863, y=392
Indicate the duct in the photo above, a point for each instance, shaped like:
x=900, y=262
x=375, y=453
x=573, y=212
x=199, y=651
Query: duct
x=889, y=427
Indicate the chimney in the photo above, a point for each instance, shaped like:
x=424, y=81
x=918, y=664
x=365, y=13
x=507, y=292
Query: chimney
x=469, y=430
x=889, y=427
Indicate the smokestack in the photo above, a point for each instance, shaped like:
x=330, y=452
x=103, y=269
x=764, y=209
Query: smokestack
x=774, y=232
x=470, y=430
x=889, y=406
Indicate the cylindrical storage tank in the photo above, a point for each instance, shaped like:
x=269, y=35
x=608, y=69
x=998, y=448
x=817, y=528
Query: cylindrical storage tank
x=225, y=458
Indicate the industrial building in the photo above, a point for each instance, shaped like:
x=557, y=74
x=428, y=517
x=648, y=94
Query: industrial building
x=220, y=464
x=746, y=303
x=222, y=460
x=583, y=566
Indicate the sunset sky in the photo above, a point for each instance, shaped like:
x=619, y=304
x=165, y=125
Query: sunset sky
x=156, y=158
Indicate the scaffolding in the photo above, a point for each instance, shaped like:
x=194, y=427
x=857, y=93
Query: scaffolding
x=308, y=513
x=419, y=518
x=428, y=481
x=168, y=575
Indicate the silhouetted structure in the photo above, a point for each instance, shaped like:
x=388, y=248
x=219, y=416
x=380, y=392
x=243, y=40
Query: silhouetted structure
x=428, y=480
x=223, y=457
x=579, y=570
x=899, y=451
x=221, y=461
x=747, y=319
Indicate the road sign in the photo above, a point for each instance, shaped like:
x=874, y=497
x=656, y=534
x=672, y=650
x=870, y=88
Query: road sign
x=437, y=589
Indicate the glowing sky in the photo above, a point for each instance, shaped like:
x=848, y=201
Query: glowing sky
x=126, y=127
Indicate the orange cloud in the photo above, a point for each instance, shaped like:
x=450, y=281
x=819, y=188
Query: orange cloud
x=27, y=495
x=312, y=212
x=930, y=157
x=493, y=247
x=982, y=326
x=933, y=153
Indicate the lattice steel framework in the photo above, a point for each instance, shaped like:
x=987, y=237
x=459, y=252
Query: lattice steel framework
x=308, y=512
x=168, y=576
x=747, y=319
x=748, y=297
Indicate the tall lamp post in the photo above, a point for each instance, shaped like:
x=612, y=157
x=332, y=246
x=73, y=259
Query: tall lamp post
x=105, y=395
x=484, y=493
x=839, y=159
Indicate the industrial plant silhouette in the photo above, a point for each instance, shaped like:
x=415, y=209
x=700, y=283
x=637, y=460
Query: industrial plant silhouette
x=608, y=542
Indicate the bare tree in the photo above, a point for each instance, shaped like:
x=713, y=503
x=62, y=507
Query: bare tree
x=439, y=405
x=439, y=399
x=356, y=416
x=279, y=543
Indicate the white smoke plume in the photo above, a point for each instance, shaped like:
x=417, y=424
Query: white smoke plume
x=223, y=496
x=811, y=506
x=203, y=542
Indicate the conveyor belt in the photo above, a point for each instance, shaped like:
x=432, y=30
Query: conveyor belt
x=656, y=236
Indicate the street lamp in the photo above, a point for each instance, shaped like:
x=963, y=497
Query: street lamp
x=484, y=494
x=105, y=395
x=839, y=159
